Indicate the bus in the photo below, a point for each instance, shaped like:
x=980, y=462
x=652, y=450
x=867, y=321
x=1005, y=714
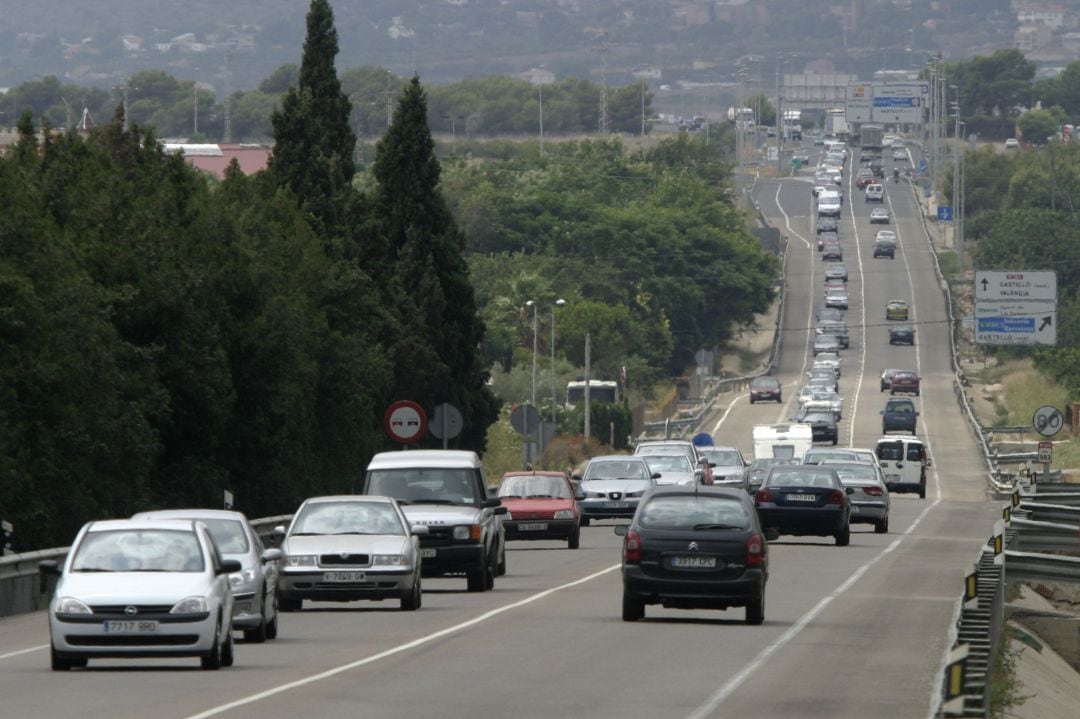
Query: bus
x=600, y=391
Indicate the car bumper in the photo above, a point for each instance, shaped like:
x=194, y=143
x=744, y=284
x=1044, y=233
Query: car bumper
x=247, y=610
x=819, y=522
x=540, y=528
x=174, y=636
x=765, y=397
x=379, y=584
x=868, y=512
x=694, y=593
x=602, y=509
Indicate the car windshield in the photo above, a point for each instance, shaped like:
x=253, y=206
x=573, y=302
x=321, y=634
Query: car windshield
x=890, y=451
x=616, y=470
x=724, y=457
x=668, y=463
x=139, y=550
x=350, y=517
x=801, y=476
x=534, y=487
x=699, y=512
x=420, y=485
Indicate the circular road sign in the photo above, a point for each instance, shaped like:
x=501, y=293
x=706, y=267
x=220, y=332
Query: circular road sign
x=405, y=422
x=1047, y=420
x=449, y=417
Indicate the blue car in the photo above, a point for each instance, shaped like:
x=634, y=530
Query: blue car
x=805, y=500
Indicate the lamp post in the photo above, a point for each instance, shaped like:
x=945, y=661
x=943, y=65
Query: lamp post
x=540, y=88
x=554, y=396
x=540, y=434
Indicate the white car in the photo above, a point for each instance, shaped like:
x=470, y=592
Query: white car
x=879, y=215
x=829, y=363
x=825, y=402
x=1012, y=144
x=142, y=588
x=885, y=235
x=836, y=297
x=255, y=585
x=672, y=468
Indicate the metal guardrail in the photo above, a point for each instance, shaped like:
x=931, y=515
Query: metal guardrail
x=23, y=589
x=1029, y=566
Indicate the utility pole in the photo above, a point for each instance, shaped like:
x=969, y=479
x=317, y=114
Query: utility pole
x=779, y=122
x=228, y=97
x=602, y=48
x=643, y=108
x=588, y=382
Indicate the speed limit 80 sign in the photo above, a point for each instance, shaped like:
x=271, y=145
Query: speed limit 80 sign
x=1047, y=420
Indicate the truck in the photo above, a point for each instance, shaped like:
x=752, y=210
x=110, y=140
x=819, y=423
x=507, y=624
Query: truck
x=600, y=392
x=871, y=140
x=782, y=441
x=836, y=124
x=743, y=117
x=793, y=125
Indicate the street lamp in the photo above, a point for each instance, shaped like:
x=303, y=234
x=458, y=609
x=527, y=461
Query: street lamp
x=535, y=308
x=540, y=87
x=554, y=396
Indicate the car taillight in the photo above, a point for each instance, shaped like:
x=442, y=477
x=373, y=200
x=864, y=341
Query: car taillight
x=873, y=491
x=835, y=497
x=632, y=547
x=763, y=495
x=755, y=551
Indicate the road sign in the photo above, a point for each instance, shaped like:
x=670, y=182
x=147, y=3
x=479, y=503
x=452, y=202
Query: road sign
x=1016, y=323
x=944, y=213
x=858, y=106
x=1046, y=452
x=1040, y=286
x=899, y=101
x=525, y=419
x=405, y=422
x=227, y=499
x=446, y=422
x=1047, y=421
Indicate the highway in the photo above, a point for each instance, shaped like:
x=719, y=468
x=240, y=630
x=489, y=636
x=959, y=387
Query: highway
x=855, y=631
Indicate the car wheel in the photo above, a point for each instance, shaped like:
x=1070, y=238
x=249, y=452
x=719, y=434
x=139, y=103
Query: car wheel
x=62, y=664
x=916, y=393
x=843, y=537
x=271, y=626
x=755, y=611
x=476, y=579
x=410, y=599
x=212, y=661
x=258, y=634
x=632, y=609
x=882, y=525
x=501, y=569
x=227, y=655
x=922, y=491
x=575, y=539
x=489, y=576
x=751, y=400
x=834, y=440
x=287, y=604
x=584, y=522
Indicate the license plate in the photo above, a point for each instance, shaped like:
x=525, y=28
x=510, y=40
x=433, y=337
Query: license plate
x=127, y=626
x=533, y=527
x=801, y=497
x=694, y=562
x=892, y=477
x=427, y=553
x=617, y=505
x=348, y=577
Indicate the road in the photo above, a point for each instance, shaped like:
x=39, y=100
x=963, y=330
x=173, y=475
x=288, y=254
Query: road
x=855, y=631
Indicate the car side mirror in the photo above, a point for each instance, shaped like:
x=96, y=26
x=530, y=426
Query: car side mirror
x=929, y=462
x=772, y=534
x=712, y=465
x=49, y=568
x=491, y=503
x=229, y=566
x=271, y=555
x=579, y=496
x=849, y=490
x=621, y=530
x=576, y=477
x=419, y=530
x=500, y=510
x=279, y=531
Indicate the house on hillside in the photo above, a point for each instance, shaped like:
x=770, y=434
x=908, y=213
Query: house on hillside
x=214, y=159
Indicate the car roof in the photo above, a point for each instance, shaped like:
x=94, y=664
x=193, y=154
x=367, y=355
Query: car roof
x=348, y=498
x=455, y=458
x=112, y=525
x=533, y=473
x=617, y=458
x=699, y=491
x=191, y=514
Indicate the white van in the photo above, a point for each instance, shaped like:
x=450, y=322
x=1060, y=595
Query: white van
x=903, y=462
x=828, y=204
x=782, y=441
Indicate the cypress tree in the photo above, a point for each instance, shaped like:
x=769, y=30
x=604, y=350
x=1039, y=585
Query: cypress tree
x=437, y=356
x=313, y=144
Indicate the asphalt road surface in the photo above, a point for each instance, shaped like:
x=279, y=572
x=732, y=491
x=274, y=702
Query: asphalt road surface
x=855, y=631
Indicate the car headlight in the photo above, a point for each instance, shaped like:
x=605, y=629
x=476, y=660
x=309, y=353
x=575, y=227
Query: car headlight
x=191, y=605
x=303, y=560
x=466, y=532
x=631, y=495
x=240, y=578
x=564, y=514
x=388, y=560
x=594, y=495
x=71, y=605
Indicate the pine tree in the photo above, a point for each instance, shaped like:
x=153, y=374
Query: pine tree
x=313, y=144
x=437, y=356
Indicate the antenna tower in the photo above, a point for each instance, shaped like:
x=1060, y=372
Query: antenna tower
x=602, y=48
x=228, y=97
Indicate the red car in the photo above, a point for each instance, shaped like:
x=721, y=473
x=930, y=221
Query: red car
x=765, y=388
x=834, y=283
x=541, y=505
x=905, y=382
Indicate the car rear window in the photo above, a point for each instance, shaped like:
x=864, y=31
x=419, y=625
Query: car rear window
x=534, y=487
x=801, y=476
x=683, y=512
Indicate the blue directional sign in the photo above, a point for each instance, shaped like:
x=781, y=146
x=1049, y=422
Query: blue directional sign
x=944, y=213
x=882, y=102
x=1006, y=324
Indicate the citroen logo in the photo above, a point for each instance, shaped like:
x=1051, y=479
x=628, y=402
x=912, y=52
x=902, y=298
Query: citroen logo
x=131, y=611
x=693, y=545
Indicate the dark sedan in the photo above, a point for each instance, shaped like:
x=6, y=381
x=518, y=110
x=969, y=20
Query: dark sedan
x=907, y=382
x=825, y=238
x=902, y=335
x=832, y=252
x=695, y=548
x=759, y=469
x=822, y=424
x=765, y=389
x=805, y=500
x=826, y=224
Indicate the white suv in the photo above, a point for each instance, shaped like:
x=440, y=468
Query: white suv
x=875, y=193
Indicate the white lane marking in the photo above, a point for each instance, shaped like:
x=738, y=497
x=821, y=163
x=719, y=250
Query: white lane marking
x=729, y=687
x=854, y=403
x=918, y=346
x=727, y=411
x=38, y=648
x=221, y=709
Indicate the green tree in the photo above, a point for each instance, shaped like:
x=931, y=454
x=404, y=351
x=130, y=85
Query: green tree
x=1038, y=126
x=437, y=358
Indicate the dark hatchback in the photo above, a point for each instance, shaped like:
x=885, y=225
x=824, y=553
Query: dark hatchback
x=907, y=382
x=885, y=248
x=805, y=500
x=695, y=548
x=826, y=224
x=902, y=335
x=899, y=415
x=832, y=252
x=765, y=389
x=822, y=425
x=825, y=238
